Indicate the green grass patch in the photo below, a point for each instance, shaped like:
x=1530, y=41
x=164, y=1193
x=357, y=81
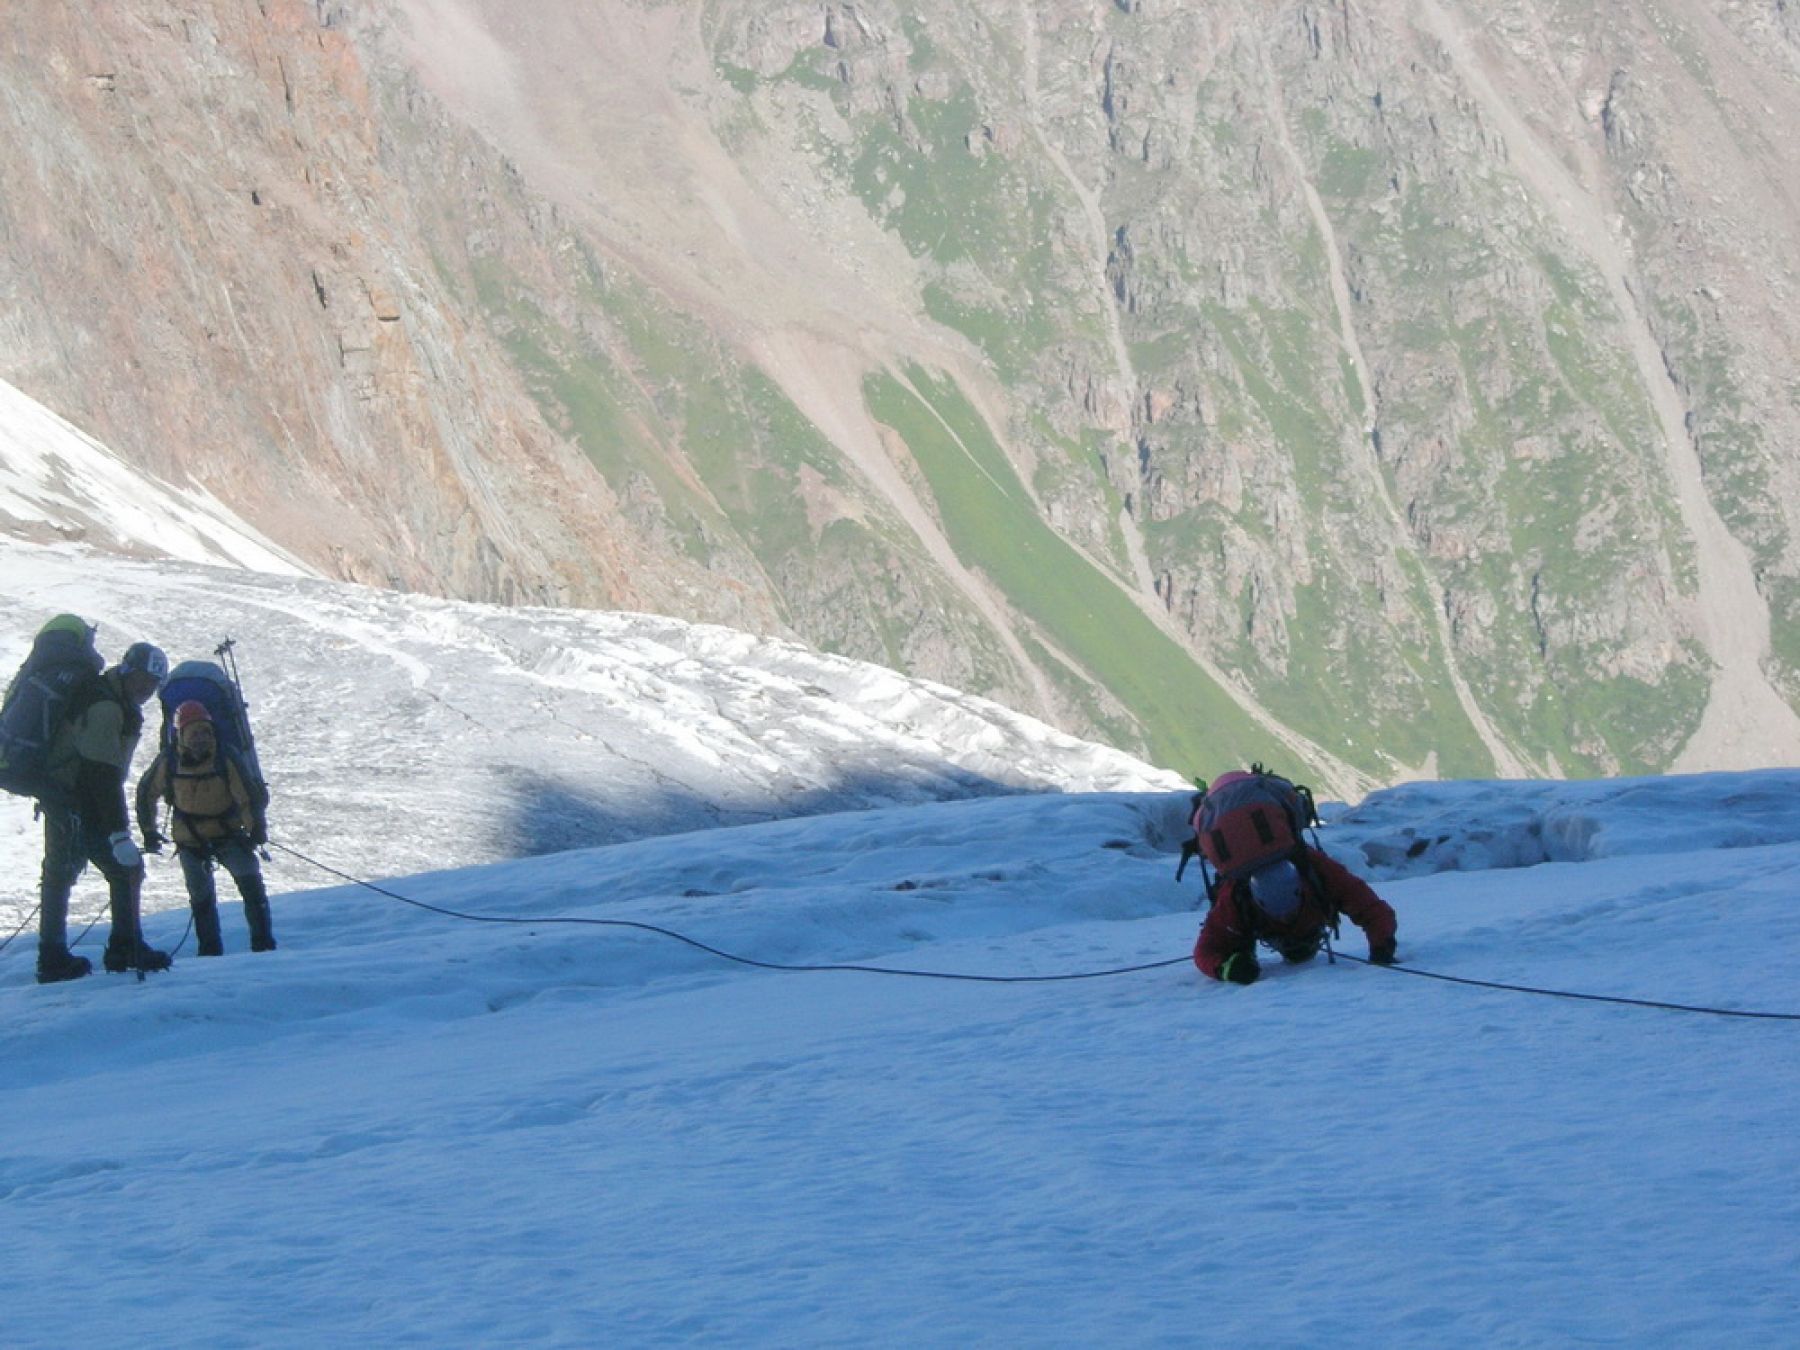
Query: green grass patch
x=946, y=205
x=1188, y=723
x=1291, y=405
x=804, y=71
x=738, y=77
x=923, y=54
x=1347, y=172
x=1364, y=694
x=1011, y=341
x=1157, y=355
x=1642, y=725
x=967, y=212
x=1784, y=635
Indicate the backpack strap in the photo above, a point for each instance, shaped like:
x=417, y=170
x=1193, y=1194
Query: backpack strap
x=1309, y=876
x=222, y=770
x=256, y=789
x=89, y=691
x=1190, y=846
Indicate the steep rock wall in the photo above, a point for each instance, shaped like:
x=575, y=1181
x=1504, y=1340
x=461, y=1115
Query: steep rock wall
x=1417, y=369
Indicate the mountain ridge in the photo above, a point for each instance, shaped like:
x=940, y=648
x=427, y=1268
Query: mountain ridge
x=1399, y=359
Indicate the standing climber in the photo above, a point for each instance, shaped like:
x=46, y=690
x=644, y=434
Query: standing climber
x=85, y=817
x=215, y=820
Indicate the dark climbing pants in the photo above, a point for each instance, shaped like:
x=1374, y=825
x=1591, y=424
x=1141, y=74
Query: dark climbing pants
x=239, y=859
x=69, y=846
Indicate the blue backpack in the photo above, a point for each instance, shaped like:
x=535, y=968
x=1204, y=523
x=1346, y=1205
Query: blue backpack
x=206, y=683
x=41, y=698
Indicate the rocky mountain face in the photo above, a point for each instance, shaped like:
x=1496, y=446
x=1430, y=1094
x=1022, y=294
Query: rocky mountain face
x=1375, y=388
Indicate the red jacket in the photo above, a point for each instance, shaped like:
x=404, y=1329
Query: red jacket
x=1225, y=930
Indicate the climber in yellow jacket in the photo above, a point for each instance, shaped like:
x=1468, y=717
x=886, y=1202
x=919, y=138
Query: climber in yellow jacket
x=215, y=819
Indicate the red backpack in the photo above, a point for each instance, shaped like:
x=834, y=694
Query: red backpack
x=1244, y=822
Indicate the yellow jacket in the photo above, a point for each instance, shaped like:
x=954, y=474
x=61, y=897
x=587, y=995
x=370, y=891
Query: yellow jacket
x=210, y=797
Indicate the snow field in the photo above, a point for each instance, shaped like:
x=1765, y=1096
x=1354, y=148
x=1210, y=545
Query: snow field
x=402, y=734
x=405, y=1129
x=57, y=480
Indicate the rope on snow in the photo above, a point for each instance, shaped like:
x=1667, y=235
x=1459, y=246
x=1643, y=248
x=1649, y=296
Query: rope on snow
x=1001, y=979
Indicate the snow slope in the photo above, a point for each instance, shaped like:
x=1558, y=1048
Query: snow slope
x=408, y=1129
x=1420, y=828
x=567, y=1128
x=57, y=481
x=402, y=733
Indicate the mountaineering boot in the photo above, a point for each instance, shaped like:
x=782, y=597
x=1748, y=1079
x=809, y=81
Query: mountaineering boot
x=256, y=913
x=120, y=957
x=125, y=947
x=59, y=963
x=206, y=931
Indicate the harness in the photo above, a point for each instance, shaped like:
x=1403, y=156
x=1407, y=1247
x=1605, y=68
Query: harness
x=220, y=770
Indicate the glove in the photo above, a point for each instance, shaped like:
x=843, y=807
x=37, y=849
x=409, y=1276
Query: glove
x=1240, y=968
x=153, y=842
x=1382, y=953
x=259, y=833
x=124, y=852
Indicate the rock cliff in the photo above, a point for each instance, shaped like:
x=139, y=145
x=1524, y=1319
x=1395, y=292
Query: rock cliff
x=1386, y=387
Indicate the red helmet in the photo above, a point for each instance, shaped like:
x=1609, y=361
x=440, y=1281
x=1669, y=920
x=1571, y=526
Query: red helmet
x=189, y=713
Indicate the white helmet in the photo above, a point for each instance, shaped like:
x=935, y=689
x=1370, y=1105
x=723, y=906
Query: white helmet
x=1275, y=890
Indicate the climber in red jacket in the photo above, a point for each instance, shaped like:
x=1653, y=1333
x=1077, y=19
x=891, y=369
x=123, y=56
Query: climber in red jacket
x=1288, y=906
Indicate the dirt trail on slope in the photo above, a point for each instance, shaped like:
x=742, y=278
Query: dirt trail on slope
x=1746, y=723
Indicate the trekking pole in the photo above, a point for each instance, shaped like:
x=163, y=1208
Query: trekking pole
x=226, y=651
